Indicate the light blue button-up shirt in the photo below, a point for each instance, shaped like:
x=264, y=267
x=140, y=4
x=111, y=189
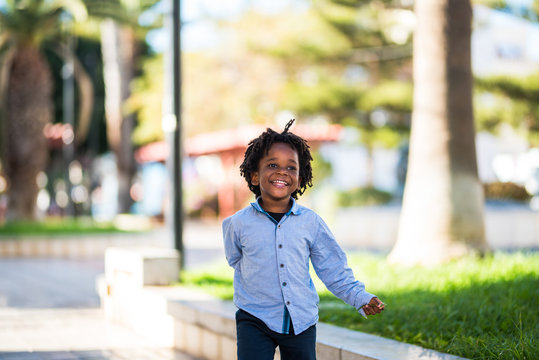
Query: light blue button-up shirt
x=271, y=266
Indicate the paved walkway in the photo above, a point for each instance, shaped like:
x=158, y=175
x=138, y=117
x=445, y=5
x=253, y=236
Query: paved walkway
x=72, y=334
x=49, y=310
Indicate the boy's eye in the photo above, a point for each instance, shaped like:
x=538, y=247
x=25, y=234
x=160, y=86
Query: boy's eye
x=275, y=166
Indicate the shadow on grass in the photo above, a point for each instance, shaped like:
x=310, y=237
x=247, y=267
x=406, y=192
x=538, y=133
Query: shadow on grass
x=484, y=320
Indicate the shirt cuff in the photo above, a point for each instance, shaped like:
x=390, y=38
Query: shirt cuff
x=365, y=299
x=362, y=312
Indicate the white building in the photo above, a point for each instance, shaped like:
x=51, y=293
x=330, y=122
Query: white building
x=503, y=43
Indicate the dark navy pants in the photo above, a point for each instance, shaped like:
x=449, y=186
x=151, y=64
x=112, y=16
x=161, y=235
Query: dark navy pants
x=257, y=342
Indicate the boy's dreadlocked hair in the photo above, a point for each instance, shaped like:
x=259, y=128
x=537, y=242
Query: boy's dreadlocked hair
x=260, y=146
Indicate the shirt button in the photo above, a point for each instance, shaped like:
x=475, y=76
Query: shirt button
x=288, y=303
x=282, y=265
x=279, y=226
x=284, y=284
x=280, y=246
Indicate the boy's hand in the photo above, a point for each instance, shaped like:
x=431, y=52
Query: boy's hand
x=374, y=306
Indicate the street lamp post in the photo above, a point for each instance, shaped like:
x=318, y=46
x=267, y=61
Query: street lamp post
x=177, y=148
x=171, y=123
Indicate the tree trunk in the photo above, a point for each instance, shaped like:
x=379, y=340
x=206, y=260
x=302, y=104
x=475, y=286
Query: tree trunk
x=442, y=213
x=28, y=110
x=118, y=47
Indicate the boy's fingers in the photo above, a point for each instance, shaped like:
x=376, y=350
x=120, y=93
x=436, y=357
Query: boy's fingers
x=369, y=309
x=378, y=303
x=374, y=307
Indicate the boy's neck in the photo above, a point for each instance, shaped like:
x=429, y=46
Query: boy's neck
x=276, y=207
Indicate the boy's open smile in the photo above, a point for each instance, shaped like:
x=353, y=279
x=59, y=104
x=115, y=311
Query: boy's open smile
x=277, y=177
x=279, y=183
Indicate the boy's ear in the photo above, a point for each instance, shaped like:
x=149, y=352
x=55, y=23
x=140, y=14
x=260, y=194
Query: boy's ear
x=254, y=179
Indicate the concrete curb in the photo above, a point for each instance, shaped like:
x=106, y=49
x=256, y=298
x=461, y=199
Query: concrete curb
x=74, y=246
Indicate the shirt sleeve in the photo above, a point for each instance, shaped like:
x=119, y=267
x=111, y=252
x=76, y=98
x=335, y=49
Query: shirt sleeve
x=231, y=242
x=331, y=266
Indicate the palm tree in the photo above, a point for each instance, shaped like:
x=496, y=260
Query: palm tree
x=26, y=93
x=117, y=46
x=120, y=45
x=442, y=214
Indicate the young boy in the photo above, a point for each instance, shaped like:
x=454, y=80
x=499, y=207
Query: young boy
x=269, y=244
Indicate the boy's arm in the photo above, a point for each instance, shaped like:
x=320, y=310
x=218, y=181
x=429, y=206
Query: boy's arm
x=331, y=266
x=231, y=243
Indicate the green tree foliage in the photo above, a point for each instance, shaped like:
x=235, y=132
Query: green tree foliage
x=225, y=86
x=125, y=12
x=511, y=100
x=364, y=196
x=351, y=58
x=146, y=100
x=495, y=4
x=342, y=59
x=305, y=63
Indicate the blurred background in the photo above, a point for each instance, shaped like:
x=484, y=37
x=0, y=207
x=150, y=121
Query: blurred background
x=120, y=124
x=85, y=87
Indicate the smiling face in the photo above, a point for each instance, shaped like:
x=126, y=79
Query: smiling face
x=277, y=177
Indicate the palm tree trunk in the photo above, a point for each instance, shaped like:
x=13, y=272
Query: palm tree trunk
x=86, y=90
x=29, y=109
x=442, y=214
x=118, y=47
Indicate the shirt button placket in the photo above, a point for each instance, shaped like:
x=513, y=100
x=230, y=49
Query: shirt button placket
x=282, y=271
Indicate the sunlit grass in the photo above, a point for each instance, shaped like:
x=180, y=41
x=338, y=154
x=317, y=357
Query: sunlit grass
x=476, y=308
x=57, y=226
x=215, y=279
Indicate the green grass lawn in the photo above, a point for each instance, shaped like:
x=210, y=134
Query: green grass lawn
x=476, y=308
x=57, y=226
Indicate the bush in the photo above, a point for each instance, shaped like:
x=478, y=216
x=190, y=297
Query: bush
x=506, y=191
x=364, y=196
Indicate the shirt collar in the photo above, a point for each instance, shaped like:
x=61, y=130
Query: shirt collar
x=294, y=209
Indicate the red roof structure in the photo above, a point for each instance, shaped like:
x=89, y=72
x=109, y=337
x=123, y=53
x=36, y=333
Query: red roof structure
x=234, y=140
